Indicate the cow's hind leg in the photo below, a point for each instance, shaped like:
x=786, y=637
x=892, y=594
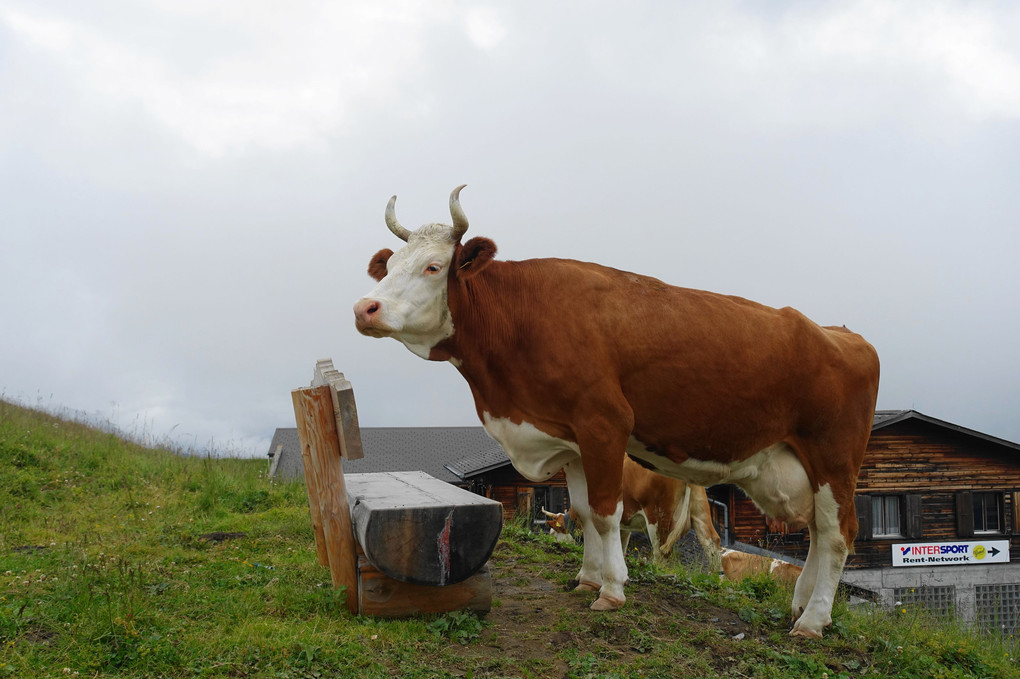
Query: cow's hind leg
x=806, y=580
x=826, y=558
x=614, y=567
x=710, y=542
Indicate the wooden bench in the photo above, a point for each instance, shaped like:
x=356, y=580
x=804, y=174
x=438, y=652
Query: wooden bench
x=399, y=543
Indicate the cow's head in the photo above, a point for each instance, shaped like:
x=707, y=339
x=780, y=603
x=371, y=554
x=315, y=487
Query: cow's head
x=557, y=522
x=410, y=302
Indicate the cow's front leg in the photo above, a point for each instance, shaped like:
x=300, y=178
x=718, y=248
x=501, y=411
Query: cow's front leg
x=589, y=578
x=603, y=479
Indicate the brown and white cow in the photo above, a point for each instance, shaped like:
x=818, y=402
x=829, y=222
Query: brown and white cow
x=559, y=528
x=665, y=509
x=662, y=508
x=571, y=364
x=737, y=565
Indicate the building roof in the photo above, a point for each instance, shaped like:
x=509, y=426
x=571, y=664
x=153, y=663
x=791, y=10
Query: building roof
x=479, y=463
x=395, y=449
x=884, y=418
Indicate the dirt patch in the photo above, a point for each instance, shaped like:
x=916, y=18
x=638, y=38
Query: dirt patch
x=538, y=622
x=28, y=549
x=220, y=536
x=39, y=635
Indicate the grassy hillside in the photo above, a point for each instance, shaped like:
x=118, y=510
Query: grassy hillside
x=120, y=561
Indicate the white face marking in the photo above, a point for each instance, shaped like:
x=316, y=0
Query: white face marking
x=413, y=297
x=534, y=454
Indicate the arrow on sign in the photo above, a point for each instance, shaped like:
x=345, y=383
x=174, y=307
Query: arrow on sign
x=993, y=551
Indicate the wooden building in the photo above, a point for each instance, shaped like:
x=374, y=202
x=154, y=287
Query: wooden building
x=925, y=485
x=491, y=474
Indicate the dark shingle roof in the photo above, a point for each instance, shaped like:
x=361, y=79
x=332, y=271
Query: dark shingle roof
x=884, y=418
x=479, y=463
x=395, y=449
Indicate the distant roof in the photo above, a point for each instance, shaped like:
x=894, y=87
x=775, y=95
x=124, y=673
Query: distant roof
x=479, y=463
x=884, y=418
x=396, y=449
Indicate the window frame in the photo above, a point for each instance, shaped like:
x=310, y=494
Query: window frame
x=885, y=504
x=996, y=497
x=966, y=513
x=911, y=517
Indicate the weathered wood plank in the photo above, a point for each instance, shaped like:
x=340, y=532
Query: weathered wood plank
x=313, y=412
x=312, y=490
x=382, y=596
x=417, y=529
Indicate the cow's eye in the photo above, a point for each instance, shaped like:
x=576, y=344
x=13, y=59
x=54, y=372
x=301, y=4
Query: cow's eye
x=433, y=268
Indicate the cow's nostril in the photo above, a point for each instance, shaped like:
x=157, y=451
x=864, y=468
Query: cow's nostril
x=366, y=309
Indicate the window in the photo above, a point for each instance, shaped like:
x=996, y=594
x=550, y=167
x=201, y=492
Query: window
x=979, y=512
x=885, y=516
x=998, y=607
x=938, y=600
x=988, y=513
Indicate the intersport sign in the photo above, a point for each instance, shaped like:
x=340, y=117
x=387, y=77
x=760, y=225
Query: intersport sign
x=950, y=553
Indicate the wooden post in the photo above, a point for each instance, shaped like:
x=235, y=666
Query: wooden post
x=320, y=445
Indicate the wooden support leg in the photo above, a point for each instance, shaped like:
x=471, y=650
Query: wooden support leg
x=316, y=424
x=385, y=597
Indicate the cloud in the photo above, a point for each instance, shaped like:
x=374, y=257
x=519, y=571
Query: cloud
x=294, y=81
x=485, y=27
x=190, y=190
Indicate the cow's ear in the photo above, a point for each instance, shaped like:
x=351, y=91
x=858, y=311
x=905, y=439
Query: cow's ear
x=474, y=256
x=377, y=266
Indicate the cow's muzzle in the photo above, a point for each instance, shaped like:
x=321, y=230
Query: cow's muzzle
x=367, y=318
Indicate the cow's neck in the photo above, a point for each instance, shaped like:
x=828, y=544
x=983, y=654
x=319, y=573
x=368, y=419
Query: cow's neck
x=488, y=320
x=485, y=310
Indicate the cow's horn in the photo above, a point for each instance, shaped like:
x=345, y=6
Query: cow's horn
x=391, y=221
x=460, y=221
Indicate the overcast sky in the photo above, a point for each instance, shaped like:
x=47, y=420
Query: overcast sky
x=190, y=191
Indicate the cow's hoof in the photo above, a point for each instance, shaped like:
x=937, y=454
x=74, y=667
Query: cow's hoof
x=804, y=631
x=812, y=629
x=587, y=587
x=606, y=603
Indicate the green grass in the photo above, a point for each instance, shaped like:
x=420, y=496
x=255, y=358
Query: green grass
x=105, y=571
